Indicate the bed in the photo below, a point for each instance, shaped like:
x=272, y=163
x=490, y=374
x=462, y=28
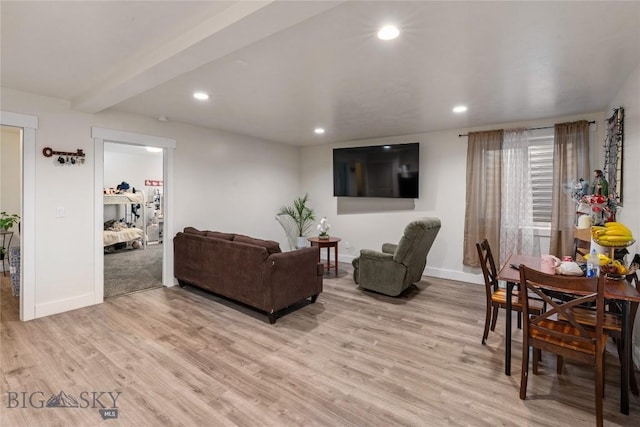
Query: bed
x=125, y=235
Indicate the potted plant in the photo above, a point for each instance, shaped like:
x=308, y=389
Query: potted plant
x=323, y=228
x=7, y=221
x=302, y=216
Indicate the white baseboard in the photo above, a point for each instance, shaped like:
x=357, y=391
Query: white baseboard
x=62, y=305
x=459, y=276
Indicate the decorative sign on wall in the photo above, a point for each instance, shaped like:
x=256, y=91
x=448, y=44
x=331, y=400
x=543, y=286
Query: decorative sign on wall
x=153, y=182
x=65, y=157
x=613, y=154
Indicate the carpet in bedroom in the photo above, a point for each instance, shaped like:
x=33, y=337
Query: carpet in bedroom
x=131, y=270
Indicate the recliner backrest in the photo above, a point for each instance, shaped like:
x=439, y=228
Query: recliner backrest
x=415, y=244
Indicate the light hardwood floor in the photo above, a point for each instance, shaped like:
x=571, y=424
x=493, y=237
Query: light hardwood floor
x=354, y=358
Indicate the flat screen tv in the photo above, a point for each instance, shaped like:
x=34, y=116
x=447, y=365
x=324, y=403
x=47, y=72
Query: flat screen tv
x=389, y=171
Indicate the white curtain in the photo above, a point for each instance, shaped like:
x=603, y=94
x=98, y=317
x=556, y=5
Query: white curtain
x=516, y=211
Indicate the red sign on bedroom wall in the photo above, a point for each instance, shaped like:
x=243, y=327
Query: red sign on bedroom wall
x=152, y=183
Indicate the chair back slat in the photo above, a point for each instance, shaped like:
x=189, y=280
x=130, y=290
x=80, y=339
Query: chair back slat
x=488, y=265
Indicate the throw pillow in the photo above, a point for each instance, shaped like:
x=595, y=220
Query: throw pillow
x=219, y=235
x=271, y=246
x=192, y=230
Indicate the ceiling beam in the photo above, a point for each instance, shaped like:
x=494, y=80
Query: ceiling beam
x=224, y=32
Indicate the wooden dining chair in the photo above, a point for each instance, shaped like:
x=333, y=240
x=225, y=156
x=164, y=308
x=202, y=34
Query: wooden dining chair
x=496, y=297
x=612, y=323
x=635, y=281
x=558, y=331
x=581, y=243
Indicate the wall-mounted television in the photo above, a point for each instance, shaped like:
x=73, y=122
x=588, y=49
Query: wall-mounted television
x=389, y=171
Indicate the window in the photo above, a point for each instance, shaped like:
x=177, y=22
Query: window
x=541, y=163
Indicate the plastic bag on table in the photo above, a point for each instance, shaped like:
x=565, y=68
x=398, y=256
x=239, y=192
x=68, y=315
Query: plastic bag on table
x=569, y=268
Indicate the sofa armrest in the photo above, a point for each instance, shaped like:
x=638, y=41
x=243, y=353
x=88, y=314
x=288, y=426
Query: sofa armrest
x=389, y=248
x=286, y=260
x=292, y=276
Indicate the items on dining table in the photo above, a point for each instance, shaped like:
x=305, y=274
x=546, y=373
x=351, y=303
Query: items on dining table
x=592, y=265
x=598, y=259
x=549, y=264
x=569, y=268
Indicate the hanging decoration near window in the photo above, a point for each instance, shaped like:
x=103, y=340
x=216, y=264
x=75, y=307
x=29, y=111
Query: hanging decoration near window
x=613, y=155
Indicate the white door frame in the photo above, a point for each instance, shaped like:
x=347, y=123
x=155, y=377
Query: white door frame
x=100, y=135
x=29, y=124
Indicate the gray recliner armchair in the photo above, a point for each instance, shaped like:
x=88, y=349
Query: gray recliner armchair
x=398, y=266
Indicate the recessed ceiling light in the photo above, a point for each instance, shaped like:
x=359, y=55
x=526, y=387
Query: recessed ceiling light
x=459, y=109
x=154, y=149
x=388, y=32
x=319, y=131
x=202, y=96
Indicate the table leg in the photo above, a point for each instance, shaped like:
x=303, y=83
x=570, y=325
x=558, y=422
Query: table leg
x=328, y=260
x=507, y=340
x=336, y=255
x=625, y=369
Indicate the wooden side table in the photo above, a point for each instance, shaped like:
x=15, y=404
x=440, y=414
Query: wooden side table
x=331, y=242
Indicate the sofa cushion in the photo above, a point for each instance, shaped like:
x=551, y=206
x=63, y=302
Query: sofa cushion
x=193, y=230
x=271, y=246
x=219, y=235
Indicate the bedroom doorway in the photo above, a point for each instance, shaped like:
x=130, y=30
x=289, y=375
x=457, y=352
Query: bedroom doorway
x=133, y=218
x=131, y=213
x=11, y=204
x=28, y=126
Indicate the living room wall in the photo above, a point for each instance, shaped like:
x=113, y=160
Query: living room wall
x=442, y=194
x=629, y=98
x=222, y=181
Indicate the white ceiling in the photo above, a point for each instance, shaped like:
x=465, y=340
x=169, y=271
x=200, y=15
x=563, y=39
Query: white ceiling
x=276, y=70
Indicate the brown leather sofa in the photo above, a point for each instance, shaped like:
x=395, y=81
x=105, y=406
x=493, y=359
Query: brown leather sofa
x=251, y=271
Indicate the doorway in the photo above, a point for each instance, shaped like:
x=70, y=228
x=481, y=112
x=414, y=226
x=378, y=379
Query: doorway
x=28, y=125
x=133, y=218
x=11, y=208
x=102, y=136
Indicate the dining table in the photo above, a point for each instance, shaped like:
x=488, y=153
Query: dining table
x=615, y=289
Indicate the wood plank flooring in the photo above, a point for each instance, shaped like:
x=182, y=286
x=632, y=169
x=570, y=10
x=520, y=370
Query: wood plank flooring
x=179, y=357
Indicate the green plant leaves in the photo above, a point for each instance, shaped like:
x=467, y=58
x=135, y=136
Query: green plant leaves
x=302, y=215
